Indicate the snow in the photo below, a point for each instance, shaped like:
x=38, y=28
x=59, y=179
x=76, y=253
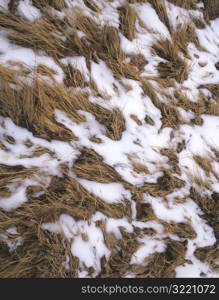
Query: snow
x=150, y=246
x=109, y=192
x=79, y=63
x=15, y=201
x=28, y=11
x=4, y=4
x=150, y=18
x=143, y=141
x=103, y=77
x=89, y=252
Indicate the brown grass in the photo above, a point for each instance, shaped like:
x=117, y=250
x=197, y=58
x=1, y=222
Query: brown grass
x=209, y=206
x=175, y=67
x=164, y=186
x=92, y=5
x=128, y=18
x=184, y=35
x=9, y=173
x=35, y=35
x=163, y=264
x=40, y=256
x=112, y=120
x=57, y=4
x=189, y=4
x=90, y=165
x=118, y=264
x=204, y=163
x=159, y=6
x=212, y=7
x=172, y=159
x=213, y=88
x=33, y=107
x=209, y=255
x=139, y=61
x=73, y=77
x=183, y=230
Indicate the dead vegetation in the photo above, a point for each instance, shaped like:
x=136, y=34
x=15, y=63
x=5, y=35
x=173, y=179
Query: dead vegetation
x=90, y=165
x=41, y=255
x=164, y=186
x=182, y=230
x=209, y=206
x=209, y=255
x=175, y=67
x=183, y=35
x=161, y=265
x=127, y=21
x=118, y=264
x=41, y=35
x=212, y=7
x=189, y=4
x=159, y=6
x=57, y=4
x=13, y=175
x=92, y=5
x=32, y=105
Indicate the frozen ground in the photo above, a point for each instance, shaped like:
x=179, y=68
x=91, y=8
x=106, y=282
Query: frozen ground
x=164, y=217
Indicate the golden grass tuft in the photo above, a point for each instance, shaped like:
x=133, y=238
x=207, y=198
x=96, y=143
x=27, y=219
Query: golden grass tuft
x=188, y=4
x=213, y=88
x=113, y=120
x=139, y=61
x=128, y=18
x=40, y=256
x=209, y=206
x=204, y=163
x=41, y=35
x=90, y=165
x=57, y=4
x=183, y=230
x=212, y=8
x=184, y=35
x=165, y=185
x=118, y=264
x=92, y=5
x=33, y=106
x=8, y=174
x=175, y=67
x=160, y=7
x=172, y=159
x=208, y=255
x=161, y=265
x=145, y=212
x=73, y=77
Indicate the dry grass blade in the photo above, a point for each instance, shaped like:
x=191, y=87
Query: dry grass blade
x=188, y=4
x=128, y=18
x=175, y=67
x=57, y=4
x=90, y=165
x=163, y=264
x=159, y=6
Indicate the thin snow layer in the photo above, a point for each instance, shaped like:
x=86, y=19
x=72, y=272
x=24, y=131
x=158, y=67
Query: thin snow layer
x=28, y=11
x=89, y=250
x=79, y=63
x=13, y=53
x=109, y=192
x=143, y=142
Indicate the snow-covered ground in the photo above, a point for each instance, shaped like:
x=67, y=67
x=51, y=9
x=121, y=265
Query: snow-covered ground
x=140, y=142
